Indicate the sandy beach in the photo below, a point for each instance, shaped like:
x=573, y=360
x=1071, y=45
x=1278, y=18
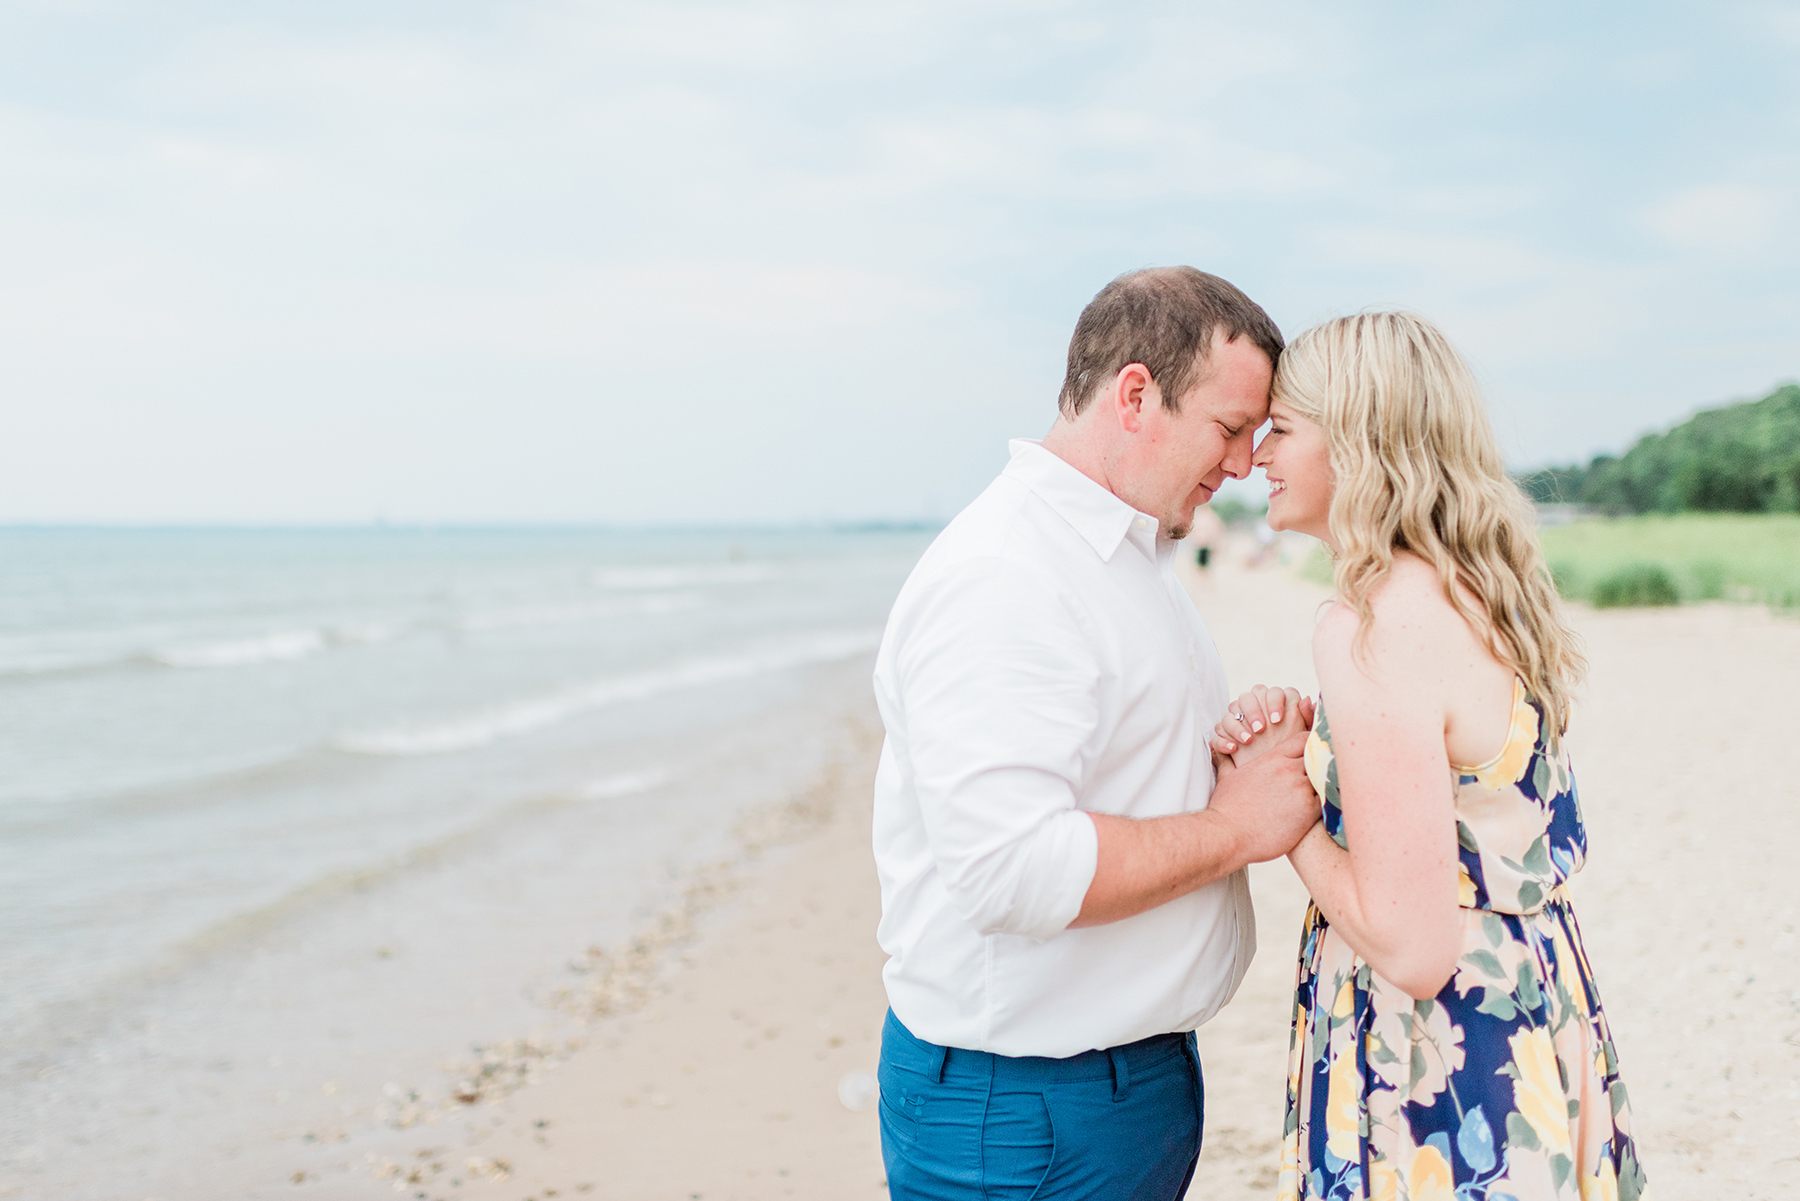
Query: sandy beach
x=714, y=1068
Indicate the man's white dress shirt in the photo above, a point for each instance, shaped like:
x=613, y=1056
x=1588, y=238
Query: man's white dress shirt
x=1042, y=663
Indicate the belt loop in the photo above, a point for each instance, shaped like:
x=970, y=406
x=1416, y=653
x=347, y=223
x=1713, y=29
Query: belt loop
x=938, y=1056
x=1121, y=1073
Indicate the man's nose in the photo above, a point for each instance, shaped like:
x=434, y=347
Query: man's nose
x=1237, y=458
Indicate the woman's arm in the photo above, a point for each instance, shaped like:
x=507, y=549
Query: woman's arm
x=1393, y=895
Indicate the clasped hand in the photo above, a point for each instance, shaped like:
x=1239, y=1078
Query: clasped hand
x=1271, y=803
x=1262, y=720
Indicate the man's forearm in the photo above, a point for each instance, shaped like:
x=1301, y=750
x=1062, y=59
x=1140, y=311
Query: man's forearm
x=1143, y=863
x=1256, y=813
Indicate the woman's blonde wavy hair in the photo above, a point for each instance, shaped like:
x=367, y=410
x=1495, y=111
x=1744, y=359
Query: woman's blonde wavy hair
x=1416, y=468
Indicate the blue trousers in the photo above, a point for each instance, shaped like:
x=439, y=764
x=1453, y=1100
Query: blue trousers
x=1117, y=1125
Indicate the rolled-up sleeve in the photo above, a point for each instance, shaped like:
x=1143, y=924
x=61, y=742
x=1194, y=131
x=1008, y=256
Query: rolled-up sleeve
x=1001, y=696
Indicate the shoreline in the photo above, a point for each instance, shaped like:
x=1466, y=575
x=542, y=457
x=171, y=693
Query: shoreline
x=314, y=1036
x=714, y=1066
x=703, y=1056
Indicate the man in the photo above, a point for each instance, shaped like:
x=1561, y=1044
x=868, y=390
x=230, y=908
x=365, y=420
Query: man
x=1062, y=883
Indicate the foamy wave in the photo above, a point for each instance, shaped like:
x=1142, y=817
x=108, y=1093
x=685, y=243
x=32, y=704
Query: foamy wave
x=646, y=579
x=626, y=784
x=280, y=647
x=479, y=729
x=546, y=615
x=362, y=635
x=46, y=666
x=269, y=648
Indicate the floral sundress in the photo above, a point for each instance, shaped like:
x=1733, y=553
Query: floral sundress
x=1503, y=1086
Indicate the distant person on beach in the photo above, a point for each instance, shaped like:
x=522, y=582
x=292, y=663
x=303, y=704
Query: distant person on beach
x=1448, y=1037
x=1062, y=877
x=1205, y=537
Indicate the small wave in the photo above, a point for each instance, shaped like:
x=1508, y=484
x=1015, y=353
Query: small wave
x=48, y=667
x=647, y=579
x=547, y=615
x=625, y=784
x=480, y=729
x=366, y=634
x=268, y=648
x=280, y=647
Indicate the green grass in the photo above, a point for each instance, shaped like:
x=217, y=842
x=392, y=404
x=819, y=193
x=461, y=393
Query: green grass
x=1684, y=557
x=1317, y=566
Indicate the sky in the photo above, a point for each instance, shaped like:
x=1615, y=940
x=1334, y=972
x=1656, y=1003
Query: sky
x=797, y=260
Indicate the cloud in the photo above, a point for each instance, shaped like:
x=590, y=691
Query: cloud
x=811, y=228
x=1719, y=218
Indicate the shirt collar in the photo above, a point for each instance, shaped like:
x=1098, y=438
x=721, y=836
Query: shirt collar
x=1102, y=519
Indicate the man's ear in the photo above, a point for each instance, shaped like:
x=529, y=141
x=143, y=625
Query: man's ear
x=1132, y=389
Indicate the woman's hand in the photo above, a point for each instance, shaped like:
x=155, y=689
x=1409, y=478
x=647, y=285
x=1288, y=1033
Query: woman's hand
x=1262, y=720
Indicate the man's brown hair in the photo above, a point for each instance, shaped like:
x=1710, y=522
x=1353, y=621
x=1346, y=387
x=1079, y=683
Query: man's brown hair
x=1164, y=318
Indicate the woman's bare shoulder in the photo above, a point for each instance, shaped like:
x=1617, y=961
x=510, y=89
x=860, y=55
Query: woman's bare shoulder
x=1411, y=599
x=1411, y=618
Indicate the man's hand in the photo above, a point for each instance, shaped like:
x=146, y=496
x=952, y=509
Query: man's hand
x=1257, y=812
x=1267, y=804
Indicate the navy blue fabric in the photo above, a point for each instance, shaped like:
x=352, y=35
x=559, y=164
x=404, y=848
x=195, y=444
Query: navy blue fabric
x=1122, y=1124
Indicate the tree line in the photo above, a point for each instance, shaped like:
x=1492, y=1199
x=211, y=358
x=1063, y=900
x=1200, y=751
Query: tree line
x=1742, y=458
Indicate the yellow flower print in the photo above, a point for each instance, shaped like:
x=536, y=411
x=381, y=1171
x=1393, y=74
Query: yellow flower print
x=1384, y=1182
x=1288, y=1187
x=1343, y=1087
x=1429, y=1177
x=1465, y=887
x=1344, y=1004
x=1603, y=1185
x=1562, y=952
x=1521, y=740
x=1537, y=1090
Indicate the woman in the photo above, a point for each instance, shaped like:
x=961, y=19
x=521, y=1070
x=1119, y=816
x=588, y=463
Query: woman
x=1448, y=1041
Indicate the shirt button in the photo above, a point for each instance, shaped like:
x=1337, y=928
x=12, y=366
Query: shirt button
x=1142, y=523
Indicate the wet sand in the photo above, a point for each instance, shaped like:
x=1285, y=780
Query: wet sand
x=717, y=1074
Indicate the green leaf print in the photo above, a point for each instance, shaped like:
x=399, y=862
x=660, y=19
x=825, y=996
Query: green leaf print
x=1529, y=895
x=1561, y=1168
x=1519, y=1131
x=1488, y=962
x=1465, y=838
x=1631, y=1175
x=1496, y=1003
x=1530, y=996
x=1540, y=779
x=1537, y=859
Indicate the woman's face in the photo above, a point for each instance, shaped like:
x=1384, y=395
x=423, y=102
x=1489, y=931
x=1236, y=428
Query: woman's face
x=1294, y=457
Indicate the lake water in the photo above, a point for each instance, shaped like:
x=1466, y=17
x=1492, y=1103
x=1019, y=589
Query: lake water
x=287, y=815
